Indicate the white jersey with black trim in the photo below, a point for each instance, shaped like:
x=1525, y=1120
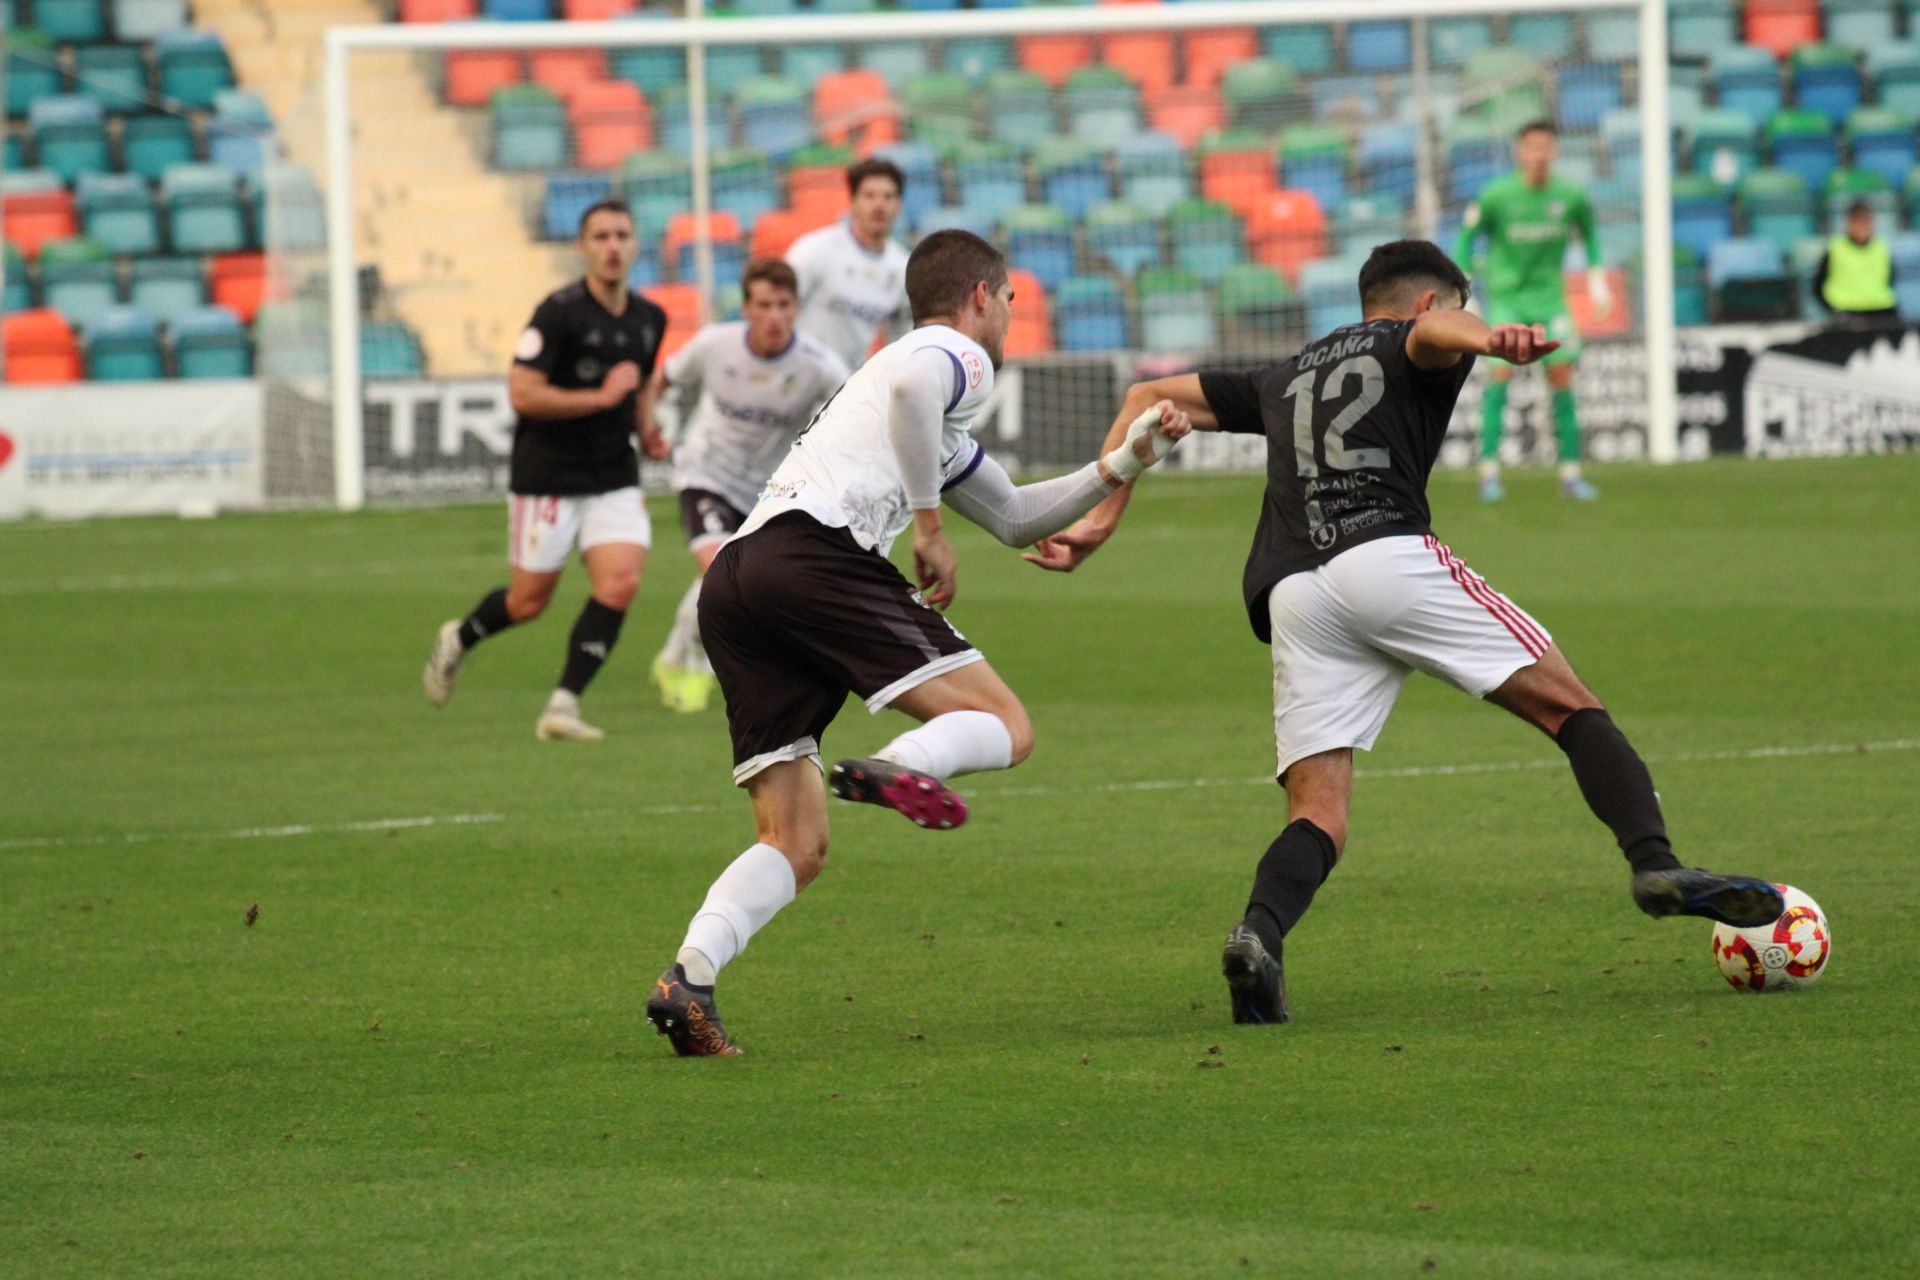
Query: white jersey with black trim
x=748, y=410
x=847, y=291
x=842, y=470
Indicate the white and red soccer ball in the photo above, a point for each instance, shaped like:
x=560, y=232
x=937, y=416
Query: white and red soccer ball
x=1791, y=952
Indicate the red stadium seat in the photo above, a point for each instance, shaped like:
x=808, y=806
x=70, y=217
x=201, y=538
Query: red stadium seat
x=1783, y=25
x=566, y=70
x=34, y=217
x=1054, y=58
x=821, y=190
x=683, y=228
x=473, y=74
x=242, y=281
x=1238, y=179
x=1580, y=306
x=436, y=10
x=1146, y=56
x=596, y=10
x=851, y=105
x=1285, y=229
x=1031, y=333
x=1211, y=52
x=1186, y=111
x=685, y=313
x=39, y=347
x=777, y=229
x=610, y=121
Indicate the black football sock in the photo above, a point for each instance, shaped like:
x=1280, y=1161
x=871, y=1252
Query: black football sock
x=488, y=617
x=1617, y=788
x=1296, y=864
x=594, y=633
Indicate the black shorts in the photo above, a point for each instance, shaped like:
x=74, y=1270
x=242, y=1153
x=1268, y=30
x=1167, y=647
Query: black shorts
x=705, y=515
x=794, y=617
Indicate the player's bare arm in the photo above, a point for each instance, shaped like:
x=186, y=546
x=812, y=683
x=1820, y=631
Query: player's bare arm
x=532, y=396
x=1441, y=336
x=653, y=441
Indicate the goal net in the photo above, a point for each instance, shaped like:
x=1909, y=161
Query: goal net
x=1176, y=187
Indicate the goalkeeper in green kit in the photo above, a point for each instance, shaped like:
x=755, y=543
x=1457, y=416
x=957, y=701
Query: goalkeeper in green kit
x=1527, y=217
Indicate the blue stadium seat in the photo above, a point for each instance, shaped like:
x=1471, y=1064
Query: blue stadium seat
x=1906, y=273
x=154, y=144
x=1124, y=236
x=1205, y=238
x=209, y=343
x=528, y=128
x=656, y=185
x=1176, y=313
x=1103, y=106
x=1073, y=177
x=646, y=270
x=744, y=185
x=113, y=74
x=808, y=62
x=389, y=349
x=1826, y=79
x=1327, y=290
x=1748, y=281
x=895, y=60
x=167, y=288
x=1587, y=91
x=774, y=116
x=1895, y=70
x=1475, y=156
x=71, y=21
x=18, y=293
x=1697, y=28
x=1546, y=36
x=730, y=66
x=977, y=57
x=203, y=209
x=921, y=168
x=966, y=218
x=1023, y=111
x=69, y=135
x=1308, y=49
x=517, y=10
x=1745, y=78
x=653, y=70
x=1723, y=144
x=116, y=209
x=1089, y=314
x=1451, y=41
x=1386, y=159
x=1620, y=141
x=32, y=70
x=989, y=180
x=1861, y=24
x=1702, y=213
x=1778, y=207
x=1882, y=141
x=193, y=67
x=289, y=210
x=77, y=279
x=1613, y=36
x=1361, y=222
x=1039, y=238
x=1346, y=96
x=568, y=195
x=123, y=345
x=1803, y=142
x=240, y=135
x=1154, y=172
x=1379, y=46
x=137, y=20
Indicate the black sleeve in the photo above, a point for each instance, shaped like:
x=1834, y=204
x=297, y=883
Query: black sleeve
x=1235, y=401
x=1434, y=384
x=1820, y=283
x=656, y=326
x=542, y=342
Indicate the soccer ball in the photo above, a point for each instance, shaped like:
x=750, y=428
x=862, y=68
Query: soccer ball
x=1790, y=952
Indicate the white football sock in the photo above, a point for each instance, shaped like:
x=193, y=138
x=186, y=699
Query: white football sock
x=686, y=627
x=564, y=702
x=950, y=745
x=741, y=902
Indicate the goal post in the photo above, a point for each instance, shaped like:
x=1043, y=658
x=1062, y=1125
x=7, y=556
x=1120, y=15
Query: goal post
x=698, y=38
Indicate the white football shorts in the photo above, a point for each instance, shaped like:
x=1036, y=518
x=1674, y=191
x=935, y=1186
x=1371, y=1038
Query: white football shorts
x=541, y=530
x=1346, y=634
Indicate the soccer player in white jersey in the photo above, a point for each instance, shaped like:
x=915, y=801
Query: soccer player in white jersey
x=1348, y=584
x=853, y=273
x=758, y=381
x=802, y=607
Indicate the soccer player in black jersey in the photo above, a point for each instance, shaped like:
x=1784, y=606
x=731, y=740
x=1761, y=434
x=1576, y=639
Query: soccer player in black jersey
x=1349, y=585
x=580, y=383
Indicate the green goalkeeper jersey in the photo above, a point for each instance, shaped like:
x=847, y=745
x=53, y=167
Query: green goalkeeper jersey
x=1527, y=229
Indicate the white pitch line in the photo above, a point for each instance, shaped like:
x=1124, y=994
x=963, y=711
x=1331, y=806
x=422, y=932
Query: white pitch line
x=1102, y=788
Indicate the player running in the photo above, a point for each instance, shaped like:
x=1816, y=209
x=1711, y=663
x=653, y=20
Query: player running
x=853, y=272
x=1527, y=217
x=802, y=606
x=580, y=385
x=1349, y=585
x=757, y=380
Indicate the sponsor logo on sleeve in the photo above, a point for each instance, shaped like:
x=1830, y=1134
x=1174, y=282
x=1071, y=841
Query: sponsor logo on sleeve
x=530, y=346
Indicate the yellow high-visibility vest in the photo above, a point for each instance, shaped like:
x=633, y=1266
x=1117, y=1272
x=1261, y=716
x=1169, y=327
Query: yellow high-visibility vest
x=1859, y=275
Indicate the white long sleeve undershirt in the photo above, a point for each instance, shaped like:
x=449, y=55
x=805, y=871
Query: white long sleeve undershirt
x=1019, y=515
x=922, y=387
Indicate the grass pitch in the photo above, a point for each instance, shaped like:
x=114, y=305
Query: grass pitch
x=1003, y=1052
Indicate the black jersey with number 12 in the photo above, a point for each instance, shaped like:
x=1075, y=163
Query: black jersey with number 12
x=1353, y=429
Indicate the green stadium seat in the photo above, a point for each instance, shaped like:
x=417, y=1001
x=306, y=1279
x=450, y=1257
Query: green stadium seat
x=210, y=343
x=1882, y=140
x=897, y=61
x=977, y=57
x=1802, y=141
x=1260, y=93
x=135, y=21
x=653, y=70
x=116, y=210
x=808, y=62
x=1205, y=238
x=389, y=349
x=166, y=288
x=291, y=338
x=69, y=135
x=1103, y=106
x=151, y=145
x=1022, y=111
x=123, y=345
x=31, y=181
x=1176, y=314
x=673, y=119
x=1723, y=144
x=1844, y=186
x=529, y=128
x=656, y=185
x=32, y=71
x=115, y=75
x=938, y=106
x=1894, y=69
x=1777, y=207
x=78, y=280
x=1307, y=48
x=1123, y=235
x=775, y=116
x=1451, y=41
x=204, y=214
x=1546, y=36
x=730, y=66
x=1256, y=304
x=1361, y=222
x=1513, y=85
x=744, y=184
x=71, y=21
x=1315, y=158
x=1613, y=36
x=193, y=67
x=1696, y=28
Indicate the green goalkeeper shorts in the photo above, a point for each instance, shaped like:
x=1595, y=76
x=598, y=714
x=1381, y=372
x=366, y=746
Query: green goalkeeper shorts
x=1554, y=316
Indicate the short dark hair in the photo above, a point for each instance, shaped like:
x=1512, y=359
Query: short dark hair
x=943, y=269
x=875, y=168
x=1536, y=126
x=608, y=205
x=1859, y=207
x=1404, y=267
x=771, y=271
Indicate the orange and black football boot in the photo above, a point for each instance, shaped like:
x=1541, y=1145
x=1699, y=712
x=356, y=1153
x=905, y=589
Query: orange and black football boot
x=685, y=1015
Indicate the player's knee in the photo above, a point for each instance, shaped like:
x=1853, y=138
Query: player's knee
x=805, y=850
x=526, y=606
x=1019, y=732
x=617, y=590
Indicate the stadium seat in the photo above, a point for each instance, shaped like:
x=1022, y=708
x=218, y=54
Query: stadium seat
x=1237, y=168
x=1379, y=47
x=775, y=232
x=848, y=105
x=1883, y=141
x=1546, y=36
x=39, y=347
x=203, y=209
x=1802, y=141
x=723, y=229
x=245, y=282
x=1039, y=239
x=1148, y=58
x=810, y=62
x=1054, y=57
x=966, y=218
x=1782, y=25
x=1256, y=305
x=1361, y=222
x=1587, y=91
x=1895, y=70
x=77, y=279
x=1802, y=262
x=1620, y=140
x=1212, y=50
x=1702, y=213
x=1861, y=24
x=1386, y=160
x=1072, y=175
x=69, y=135
x=1845, y=186
x=166, y=288
x=18, y=293
x=773, y=116
x=1205, y=237
x=1331, y=294
x=1153, y=173
x=1511, y=87
x=437, y=10
x=192, y=68
x=684, y=311
x=649, y=70
x=208, y=342
x=472, y=75
x=1777, y=206
x=989, y=179
x=921, y=168
x=1103, y=106
x=289, y=212
x=33, y=70
x=1031, y=333
x=123, y=345
x=529, y=128
x=1825, y=79
x=389, y=349
x=1090, y=314
x=673, y=119
x=1746, y=78
x=817, y=182
x=71, y=21
x=116, y=210
x=1689, y=287
x=1723, y=144
x=656, y=185
x=34, y=218
x=611, y=121
x=1023, y=112
x=1476, y=154
x=517, y=10
x=1748, y=282
x=240, y=135
x=744, y=185
x=1307, y=47
x=1175, y=311
x=1613, y=36
x=1314, y=158
x=1186, y=112
x=1451, y=41
x=291, y=340
x=1345, y=98
x=1913, y=199
x=1122, y=235
x=1905, y=250
x=897, y=60
x=1261, y=93
x=565, y=70
x=938, y=106
x=140, y=20
x=1287, y=230
x=114, y=75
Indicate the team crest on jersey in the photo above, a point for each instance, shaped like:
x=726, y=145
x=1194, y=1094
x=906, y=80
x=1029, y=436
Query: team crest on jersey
x=588, y=370
x=1323, y=536
x=976, y=368
x=530, y=345
x=593, y=338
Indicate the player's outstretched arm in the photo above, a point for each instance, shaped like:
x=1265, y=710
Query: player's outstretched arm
x=1439, y=338
x=1063, y=552
x=1021, y=514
